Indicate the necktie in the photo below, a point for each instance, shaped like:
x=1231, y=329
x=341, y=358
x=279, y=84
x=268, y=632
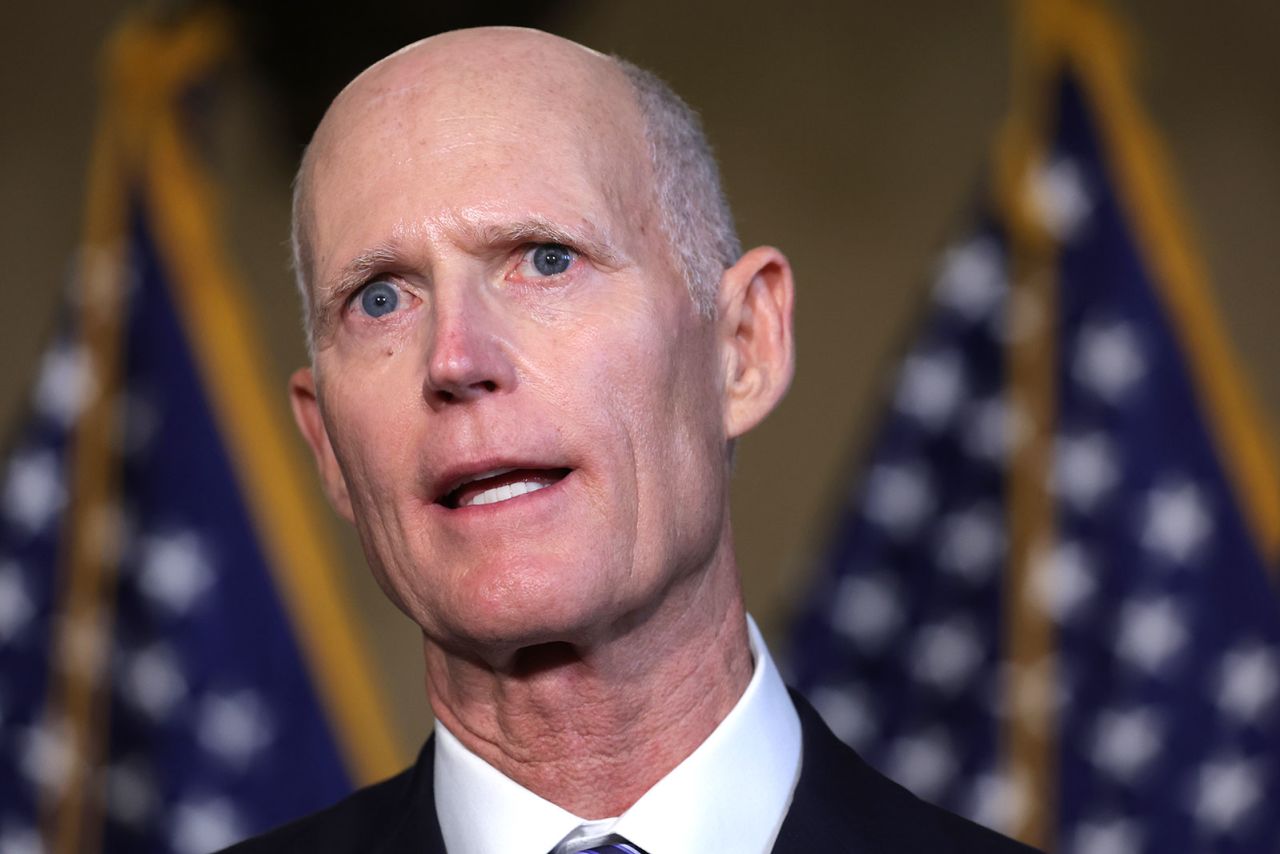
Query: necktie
x=612, y=848
x=609, y=845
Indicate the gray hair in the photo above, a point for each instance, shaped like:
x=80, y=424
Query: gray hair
x=300, y=248
x=692, y=208
x=693, y=211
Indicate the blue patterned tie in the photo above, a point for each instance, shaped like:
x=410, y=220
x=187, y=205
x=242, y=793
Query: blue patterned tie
x=611, y=845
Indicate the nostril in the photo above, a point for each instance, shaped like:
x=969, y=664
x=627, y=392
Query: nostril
x=459, y=394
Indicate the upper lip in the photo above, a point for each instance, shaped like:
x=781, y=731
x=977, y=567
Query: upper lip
x=447, y=480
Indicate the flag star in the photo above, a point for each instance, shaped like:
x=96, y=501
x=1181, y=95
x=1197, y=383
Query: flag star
x=993, y=430
x=1059, y=197
x=1107, y=836
x=971, y=543
x=998, y=801
x=1108, y=360
x=924, y=763
x=20, y=839
x=47, y=755
x=16, y=607
x=1249, y=679
x=175, y=570
x=1151, y=633
x=849, y=712
x=1125, y=741
x=153, y=681
x=931, y=388
x=132, y=797
x=899, y=498
x=1226, y=791
x=1063, y=579
x=1177, y=521
x=867, y=609
x=33, y=493
x=1085, y=469
x=66, y=384
x=972, y=280
x=203, y=825
x=234, y=726
x=946, y=654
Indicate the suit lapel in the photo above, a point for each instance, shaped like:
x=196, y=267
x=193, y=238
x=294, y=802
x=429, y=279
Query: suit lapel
x=842, y=804
x=417, y=827
x=822, y=810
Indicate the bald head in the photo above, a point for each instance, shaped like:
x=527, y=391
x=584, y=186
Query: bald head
x=461, y=87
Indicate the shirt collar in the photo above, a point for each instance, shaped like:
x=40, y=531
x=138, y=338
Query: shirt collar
x=751, y=762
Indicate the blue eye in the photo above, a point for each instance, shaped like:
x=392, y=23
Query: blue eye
x=550, y=259
x=379, y=298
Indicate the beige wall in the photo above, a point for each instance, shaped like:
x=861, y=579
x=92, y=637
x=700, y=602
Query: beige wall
x=851, y=134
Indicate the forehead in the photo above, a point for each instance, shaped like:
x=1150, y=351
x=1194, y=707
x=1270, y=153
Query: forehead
x=478, y=138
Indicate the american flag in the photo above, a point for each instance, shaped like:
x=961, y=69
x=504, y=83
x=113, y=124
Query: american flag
x=1049, y=600
x=156, y=693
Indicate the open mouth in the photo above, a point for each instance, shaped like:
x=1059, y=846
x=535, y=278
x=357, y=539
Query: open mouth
x=500, y=485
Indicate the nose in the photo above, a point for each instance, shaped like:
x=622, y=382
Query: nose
x=467, y=358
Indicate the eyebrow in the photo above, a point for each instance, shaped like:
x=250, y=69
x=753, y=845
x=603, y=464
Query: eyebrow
x=356, y=271
x=587, y=238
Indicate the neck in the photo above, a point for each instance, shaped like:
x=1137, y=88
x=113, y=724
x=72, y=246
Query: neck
x=592, y=728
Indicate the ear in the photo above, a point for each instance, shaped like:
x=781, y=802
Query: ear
x=306, y=411
x=754, y=330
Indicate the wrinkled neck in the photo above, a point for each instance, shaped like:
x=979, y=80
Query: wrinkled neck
x=592, y=727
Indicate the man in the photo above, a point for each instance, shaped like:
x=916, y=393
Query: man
x=534, y=341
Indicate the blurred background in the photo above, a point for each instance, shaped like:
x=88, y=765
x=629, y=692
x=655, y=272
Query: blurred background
x=852, y=135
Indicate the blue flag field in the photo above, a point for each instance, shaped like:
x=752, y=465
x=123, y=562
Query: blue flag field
x=1049, y=600
x=177, y=669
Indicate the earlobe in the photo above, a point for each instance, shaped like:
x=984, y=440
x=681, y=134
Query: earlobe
x=306, y=412
x=756, y=299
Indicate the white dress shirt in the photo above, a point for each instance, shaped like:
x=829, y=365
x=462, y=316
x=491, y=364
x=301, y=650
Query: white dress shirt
x=730, y=794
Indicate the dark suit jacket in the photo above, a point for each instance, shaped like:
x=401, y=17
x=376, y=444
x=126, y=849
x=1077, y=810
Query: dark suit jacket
x=841, y=804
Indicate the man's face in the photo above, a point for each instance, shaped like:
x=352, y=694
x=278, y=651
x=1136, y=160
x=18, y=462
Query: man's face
x=495, y=300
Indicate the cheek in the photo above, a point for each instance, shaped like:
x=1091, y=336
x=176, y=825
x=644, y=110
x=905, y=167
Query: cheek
x=376, y=454
x=662, y=392
x=635, y=382
x=371, y=427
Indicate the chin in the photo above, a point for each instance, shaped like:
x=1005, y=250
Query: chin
x=505, y=606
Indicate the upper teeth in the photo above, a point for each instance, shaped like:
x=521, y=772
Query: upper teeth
x=502, y=493
x=482, y=475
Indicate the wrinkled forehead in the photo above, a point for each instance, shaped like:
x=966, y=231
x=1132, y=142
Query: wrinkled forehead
x=478, y=119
